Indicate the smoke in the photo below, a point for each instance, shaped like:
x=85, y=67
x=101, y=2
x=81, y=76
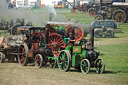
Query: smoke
x=55, y=17
x=28, y=15
x=37, y=17
x=49, y=9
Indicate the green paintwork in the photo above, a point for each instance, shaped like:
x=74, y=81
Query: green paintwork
x=75, y=52
x=51, y=58
x=73, y=60
x=69, y=48
x=83, y=54
x=76, y=49
x=76, y=60
x=59, y=28
x=66, y=41
x=63, y=61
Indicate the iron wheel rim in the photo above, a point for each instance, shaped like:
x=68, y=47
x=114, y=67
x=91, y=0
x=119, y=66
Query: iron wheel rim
x=85, y=66
x=100, y=66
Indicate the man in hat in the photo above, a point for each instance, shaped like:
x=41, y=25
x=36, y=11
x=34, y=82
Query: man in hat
x=36, y=38
x=71, y=39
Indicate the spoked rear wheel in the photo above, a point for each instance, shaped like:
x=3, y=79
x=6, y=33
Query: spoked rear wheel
x=23, y=54
x=119, y=16
x=100, y=66
x=78, y=32
x=13, y=29
x=55, y=43
x=38, y=60
x=64, y=60
x=99, y=17
x=85, y=66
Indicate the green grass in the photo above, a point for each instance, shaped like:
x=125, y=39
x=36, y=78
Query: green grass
x=4, y=33
x=115, y=55
x=79, y=17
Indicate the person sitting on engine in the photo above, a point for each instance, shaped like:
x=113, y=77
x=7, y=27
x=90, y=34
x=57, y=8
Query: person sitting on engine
x=36, y=38
x=26, y=39
x=71, y=39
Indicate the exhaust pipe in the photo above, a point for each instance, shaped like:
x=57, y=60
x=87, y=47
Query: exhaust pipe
x=47, y=34
x=101, y=4
x=92, y=38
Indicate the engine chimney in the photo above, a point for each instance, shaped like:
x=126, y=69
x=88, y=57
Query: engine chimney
x=47, y=34
x=101, y=4
x=92, y=38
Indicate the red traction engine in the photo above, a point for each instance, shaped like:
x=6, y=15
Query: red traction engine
x=40, y=50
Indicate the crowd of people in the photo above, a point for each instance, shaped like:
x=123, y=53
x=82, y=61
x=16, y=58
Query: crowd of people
x=11, y=4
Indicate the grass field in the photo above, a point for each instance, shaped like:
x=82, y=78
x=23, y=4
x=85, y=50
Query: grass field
x=114, y=52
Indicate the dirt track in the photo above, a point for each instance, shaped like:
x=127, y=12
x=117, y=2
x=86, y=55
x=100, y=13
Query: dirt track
x=15, y=74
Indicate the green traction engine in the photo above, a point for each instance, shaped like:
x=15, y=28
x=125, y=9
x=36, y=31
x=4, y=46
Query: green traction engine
x=81, y=56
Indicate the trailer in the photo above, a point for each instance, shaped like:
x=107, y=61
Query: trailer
x=9, y=47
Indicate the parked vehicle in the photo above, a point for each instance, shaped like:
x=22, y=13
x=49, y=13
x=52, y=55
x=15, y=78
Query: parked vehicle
x=24, y=6
x=106, y=23
x=104, y=27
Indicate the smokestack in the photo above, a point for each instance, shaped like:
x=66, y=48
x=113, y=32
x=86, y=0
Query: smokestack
x=92, y=38
x=50, y=17
x=47, y=34
x=101, y=4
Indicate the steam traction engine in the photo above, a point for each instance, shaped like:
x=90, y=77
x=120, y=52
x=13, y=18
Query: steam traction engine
x=39, y=51
x=116, y=10
x=13, y=24
x=81, y=56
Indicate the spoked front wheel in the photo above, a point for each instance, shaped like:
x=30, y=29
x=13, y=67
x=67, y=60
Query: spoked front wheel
x=100, y=66
x=85, y=66
x=64, y=60
x=38, y=60
x=53, y=62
